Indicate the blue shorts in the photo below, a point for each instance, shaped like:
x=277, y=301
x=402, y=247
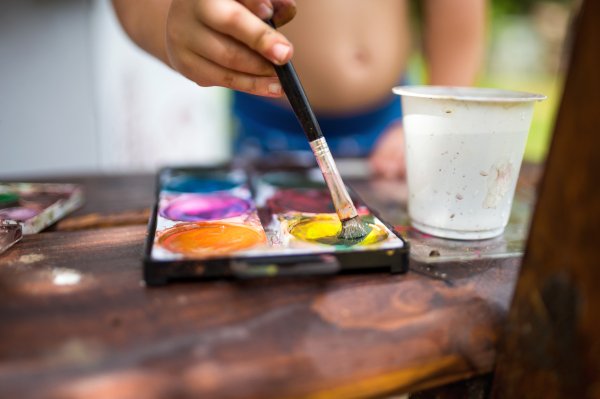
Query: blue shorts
x=262, y=126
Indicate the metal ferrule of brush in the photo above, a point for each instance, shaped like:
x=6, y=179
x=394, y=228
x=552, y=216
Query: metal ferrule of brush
x=341, y=199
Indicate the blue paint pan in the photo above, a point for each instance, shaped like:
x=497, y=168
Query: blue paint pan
x=198, y=184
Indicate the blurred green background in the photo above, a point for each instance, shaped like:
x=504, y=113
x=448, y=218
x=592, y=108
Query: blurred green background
x=525, y=51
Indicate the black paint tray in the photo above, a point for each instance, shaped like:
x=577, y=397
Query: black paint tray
x=231, y=222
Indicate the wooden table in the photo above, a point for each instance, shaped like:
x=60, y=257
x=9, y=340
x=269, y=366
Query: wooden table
x=350, y=336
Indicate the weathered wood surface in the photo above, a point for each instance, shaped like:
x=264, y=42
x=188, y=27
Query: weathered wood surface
x=97, y=220
x=478, y=387
x=552, y=344
x=352, y=336
x=345, y=336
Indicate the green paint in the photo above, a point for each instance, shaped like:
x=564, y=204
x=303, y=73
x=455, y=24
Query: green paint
x=8, y=198
x=327, y=231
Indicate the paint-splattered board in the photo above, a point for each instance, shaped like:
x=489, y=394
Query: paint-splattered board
x=225, y=222
x=36, y=206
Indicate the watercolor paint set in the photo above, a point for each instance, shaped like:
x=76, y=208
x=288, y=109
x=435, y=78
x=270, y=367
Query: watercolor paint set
x=35, y=206
x=228, y=222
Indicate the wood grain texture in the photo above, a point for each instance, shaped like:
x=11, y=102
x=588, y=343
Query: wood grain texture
x=347, y=336
x=552, y=344
x=352, y=336
x=97, y=220
x=474, y=388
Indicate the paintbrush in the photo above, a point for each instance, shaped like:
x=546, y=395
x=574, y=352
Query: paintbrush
x=352, y=226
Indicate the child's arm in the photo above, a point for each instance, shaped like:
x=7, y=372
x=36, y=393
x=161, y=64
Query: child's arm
x=454, y=39
x=213, y=42
x=145, y=24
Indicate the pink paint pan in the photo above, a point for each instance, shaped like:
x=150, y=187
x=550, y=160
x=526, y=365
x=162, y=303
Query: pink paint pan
x=198, y=208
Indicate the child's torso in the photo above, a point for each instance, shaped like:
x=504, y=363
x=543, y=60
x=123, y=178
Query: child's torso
x=349, y=53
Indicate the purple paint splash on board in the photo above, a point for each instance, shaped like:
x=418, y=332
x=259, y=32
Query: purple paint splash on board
x=196, y=208
x=19, y=214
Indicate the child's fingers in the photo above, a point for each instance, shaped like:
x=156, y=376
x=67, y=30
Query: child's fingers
x=207, y=73
x=234, y=19
x=281, y=11
x=383, y=167
x=228, y=52
x=388, y=168
x=388, y=155
x=263, y=9
x=285, y=11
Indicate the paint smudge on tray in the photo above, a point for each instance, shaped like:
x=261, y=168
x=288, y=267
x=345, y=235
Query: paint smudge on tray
x=327, y=231
x=198, y=184
x=197, y=208
x=41, y=200
x=8, y=198
x=211, y=239
x=305, y=200
x=284, y=180
x=19, y=214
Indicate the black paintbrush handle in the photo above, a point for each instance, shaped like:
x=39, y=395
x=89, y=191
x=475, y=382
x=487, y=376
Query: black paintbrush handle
x=295, y=93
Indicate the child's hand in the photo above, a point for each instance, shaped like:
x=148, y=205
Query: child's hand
x=388, y=157
x=225, y=42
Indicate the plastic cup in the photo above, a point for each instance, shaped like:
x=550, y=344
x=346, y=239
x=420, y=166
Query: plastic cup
x=464, y=148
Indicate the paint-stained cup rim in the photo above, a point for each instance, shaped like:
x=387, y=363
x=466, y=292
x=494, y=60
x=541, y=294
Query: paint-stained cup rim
x=478, y=94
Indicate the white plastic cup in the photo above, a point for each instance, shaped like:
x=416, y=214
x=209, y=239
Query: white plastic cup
x=464, y=148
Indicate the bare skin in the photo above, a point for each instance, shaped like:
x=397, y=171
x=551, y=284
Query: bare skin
x=348, y=53
x=343, y=51
x=213, y=42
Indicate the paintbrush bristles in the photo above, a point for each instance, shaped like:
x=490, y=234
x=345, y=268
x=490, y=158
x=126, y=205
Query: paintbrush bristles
x=352, y=229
